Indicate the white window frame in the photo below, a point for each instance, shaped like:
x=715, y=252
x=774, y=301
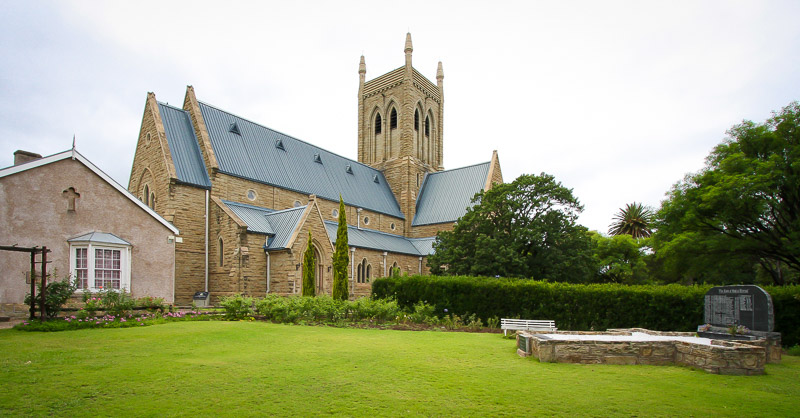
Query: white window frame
x=124, y=263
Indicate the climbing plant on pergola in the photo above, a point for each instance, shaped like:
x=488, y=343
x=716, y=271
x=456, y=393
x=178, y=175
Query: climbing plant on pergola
x=33, y=251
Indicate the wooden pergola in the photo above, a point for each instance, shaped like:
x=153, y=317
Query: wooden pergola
x=33, y=251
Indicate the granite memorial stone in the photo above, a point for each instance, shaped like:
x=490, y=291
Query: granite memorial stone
x=746, y=305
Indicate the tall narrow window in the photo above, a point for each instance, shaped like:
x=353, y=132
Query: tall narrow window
x=221, y=254
x=369, y=272
x=393, y=119
x=378, y=123
x=416, y=120
x=107, y=269
x=82, y=267
x=147, y=195
x=152, y=200
x=427, y=126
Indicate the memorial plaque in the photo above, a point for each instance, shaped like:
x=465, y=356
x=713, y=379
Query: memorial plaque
x=745, y=305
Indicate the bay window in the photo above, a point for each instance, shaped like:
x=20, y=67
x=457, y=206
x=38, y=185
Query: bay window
x=100, y=261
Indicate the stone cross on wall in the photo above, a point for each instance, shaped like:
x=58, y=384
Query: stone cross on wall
x=70, y=194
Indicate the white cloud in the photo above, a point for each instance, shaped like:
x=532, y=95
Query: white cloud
x=616, y=99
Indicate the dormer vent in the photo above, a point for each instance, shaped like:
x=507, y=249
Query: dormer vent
x=317, y=158
x=348, y=169
x=279, y=144
x=375, y=179
x=234, y=128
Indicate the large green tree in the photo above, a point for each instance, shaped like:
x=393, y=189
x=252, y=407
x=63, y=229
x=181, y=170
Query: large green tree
x=526, y=228
x=619, y=259
x=309, y=268
x=743, y=207
x=340, y=258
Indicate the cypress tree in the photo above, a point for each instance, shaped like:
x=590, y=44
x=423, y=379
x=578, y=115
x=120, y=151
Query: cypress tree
x=309, y=262
x=340, y=258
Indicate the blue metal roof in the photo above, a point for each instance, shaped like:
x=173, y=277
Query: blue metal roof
x=376, y=240
x=424, y=245
x=100, y=237
x=186, y=157
x=446, y=195
x=253, y=153
x=253, y=216
x=283, y=222
x=277, y=225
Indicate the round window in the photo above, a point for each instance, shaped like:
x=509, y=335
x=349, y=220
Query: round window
x=335, y=213
x=392, y=226
x=251, y=194
x=297, y=203
x=366, y=220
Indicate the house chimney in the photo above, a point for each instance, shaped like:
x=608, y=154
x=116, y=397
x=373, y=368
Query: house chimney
x=22, y=157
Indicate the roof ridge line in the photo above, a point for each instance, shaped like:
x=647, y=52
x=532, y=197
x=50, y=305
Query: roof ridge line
x=461, y=168
x=290, y=136
x=274, y=212
x=171, y=106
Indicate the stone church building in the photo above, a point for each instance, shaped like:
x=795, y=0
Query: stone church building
x=245, y=196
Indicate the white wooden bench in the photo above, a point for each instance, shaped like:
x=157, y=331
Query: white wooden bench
x=526, y=325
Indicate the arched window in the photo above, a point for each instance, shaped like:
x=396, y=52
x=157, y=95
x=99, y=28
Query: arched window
x=427, y=126
x=393, y=119
x=363, y=271
x=378, y=123
x=152, y=200
x=221, y=253
x=395, y=270
x=416, y=120
x=147, y=195
x=369, y=272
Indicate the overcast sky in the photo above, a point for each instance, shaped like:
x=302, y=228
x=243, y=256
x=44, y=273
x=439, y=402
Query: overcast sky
x=618, y=100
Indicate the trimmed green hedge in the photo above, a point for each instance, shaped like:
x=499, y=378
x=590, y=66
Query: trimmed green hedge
x=575, y=306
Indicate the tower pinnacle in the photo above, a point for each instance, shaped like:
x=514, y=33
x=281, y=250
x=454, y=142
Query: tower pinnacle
x=409, y=47
x=439, y=73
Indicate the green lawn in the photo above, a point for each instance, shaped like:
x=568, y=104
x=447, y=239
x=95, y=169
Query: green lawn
x=256, y=368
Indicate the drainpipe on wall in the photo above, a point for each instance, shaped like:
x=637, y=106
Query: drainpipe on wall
x=358, y=218
x=268, y=273
x=420, y=266
x=384, y=264
x=205, y=289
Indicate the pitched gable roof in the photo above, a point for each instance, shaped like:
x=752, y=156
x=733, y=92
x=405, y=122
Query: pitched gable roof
x=278, y=226
x=186, y=157
x=446, y=195
x=381, y=241
x=75, y=155
x=261, y=154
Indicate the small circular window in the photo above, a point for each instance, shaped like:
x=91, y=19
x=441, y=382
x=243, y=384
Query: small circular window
x=366, y=220
x=335, y=213
x=392, y=226
x=297, y=203
x=251, y=194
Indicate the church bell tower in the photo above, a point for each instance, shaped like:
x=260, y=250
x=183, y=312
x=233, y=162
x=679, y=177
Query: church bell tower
x=400, y=118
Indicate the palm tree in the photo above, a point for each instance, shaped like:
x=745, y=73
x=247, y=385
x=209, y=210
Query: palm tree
x=633, y=220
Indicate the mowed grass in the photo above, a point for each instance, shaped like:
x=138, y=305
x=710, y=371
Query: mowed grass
x=256, y=368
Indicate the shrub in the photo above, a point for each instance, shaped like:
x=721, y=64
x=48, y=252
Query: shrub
x=375, y=309
x=574, y=306
x=116, y=302
x=237, y=306
x=56, y=295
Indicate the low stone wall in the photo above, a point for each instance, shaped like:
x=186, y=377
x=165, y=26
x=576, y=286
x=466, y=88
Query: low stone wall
x=721, y=357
